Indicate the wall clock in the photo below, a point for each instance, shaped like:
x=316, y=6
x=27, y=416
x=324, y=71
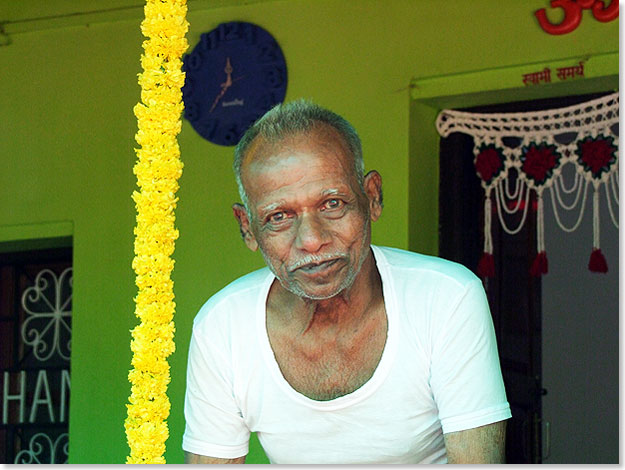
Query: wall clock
x=234, y=75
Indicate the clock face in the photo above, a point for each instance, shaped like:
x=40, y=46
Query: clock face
x=234, y=75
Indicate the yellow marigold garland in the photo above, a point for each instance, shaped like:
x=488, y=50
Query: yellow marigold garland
x=157, y=170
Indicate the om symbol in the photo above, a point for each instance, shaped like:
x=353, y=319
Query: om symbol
x=573, y=14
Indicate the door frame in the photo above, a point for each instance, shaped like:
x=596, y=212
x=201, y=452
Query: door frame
x=487, y=87
x=429, y=95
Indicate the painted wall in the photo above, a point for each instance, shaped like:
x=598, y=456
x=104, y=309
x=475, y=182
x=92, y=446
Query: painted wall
x=67, y=128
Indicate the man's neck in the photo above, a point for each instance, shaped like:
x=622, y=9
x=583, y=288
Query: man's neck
x=329, y=316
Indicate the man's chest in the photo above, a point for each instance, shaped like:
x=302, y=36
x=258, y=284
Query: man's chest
x=330, y=367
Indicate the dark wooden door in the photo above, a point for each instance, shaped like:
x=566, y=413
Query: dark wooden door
x=514, y=296
x=516, y=305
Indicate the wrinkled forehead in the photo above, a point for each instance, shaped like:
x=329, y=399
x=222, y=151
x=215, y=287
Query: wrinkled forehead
x=321, y=141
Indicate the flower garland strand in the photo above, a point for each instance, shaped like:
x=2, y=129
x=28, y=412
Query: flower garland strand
x=157, y=170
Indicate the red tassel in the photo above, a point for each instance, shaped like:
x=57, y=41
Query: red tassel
x=597, y=263
x=540, y=265
x=486, y=266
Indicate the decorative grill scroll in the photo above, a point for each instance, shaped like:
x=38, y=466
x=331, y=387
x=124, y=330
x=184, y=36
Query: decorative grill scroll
x=41, y=450
x=47, y=304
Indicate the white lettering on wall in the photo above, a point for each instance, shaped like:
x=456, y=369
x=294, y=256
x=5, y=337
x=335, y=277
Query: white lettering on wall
x=64, y=393
x=20, y=396
x=41, y=396
x=42, y=383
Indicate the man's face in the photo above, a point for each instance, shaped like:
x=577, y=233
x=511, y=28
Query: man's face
x=310, y=218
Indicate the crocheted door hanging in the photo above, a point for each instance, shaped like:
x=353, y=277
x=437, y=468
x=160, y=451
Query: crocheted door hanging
x=516, y=153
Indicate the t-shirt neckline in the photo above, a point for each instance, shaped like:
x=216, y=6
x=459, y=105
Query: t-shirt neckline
x=382, y=369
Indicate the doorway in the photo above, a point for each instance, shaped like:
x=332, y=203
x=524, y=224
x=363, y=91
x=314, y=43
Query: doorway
x=514, y=295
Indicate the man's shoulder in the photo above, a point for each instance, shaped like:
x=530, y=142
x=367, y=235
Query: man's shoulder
x=239, y=296
x=416, y=264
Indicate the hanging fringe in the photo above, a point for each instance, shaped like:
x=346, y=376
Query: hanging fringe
x=537, y=163
x=486, y=266
x=540, y=265
x=597, y=263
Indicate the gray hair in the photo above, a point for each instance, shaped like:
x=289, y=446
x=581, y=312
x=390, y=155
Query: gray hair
x=287, y=119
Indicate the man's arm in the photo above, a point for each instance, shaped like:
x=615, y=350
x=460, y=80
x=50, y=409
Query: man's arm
x=485, y=444
x=190, y=457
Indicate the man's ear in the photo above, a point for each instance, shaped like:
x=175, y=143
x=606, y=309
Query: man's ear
x=244, y=225
x=373, y=190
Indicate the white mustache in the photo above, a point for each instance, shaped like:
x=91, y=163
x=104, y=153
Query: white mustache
x=315, y=259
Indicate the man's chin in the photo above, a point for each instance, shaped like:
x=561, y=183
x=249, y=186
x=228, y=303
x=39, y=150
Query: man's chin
x=316, y=292
x=320, y=296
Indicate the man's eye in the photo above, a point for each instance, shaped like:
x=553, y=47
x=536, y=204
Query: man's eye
x=333, y=204
x=277, y=217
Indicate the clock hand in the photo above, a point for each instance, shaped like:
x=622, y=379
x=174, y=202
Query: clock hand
x=224, y=86
x=228, y=71
x=217, y=98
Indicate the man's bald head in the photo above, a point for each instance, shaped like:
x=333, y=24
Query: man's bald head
x=290, y=119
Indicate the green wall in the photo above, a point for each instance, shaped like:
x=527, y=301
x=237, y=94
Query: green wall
x=67, y=139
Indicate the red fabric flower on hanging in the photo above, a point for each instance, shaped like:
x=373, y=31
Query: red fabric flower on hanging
x=539, y=161
x=489, y=163
x=597, y=155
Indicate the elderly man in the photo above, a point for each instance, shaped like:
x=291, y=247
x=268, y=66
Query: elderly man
x=338, y=351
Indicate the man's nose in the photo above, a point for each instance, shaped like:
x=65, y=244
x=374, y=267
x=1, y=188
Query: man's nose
x=312, y=233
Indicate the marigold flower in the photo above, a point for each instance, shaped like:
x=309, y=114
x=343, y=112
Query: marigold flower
x=157, y=170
